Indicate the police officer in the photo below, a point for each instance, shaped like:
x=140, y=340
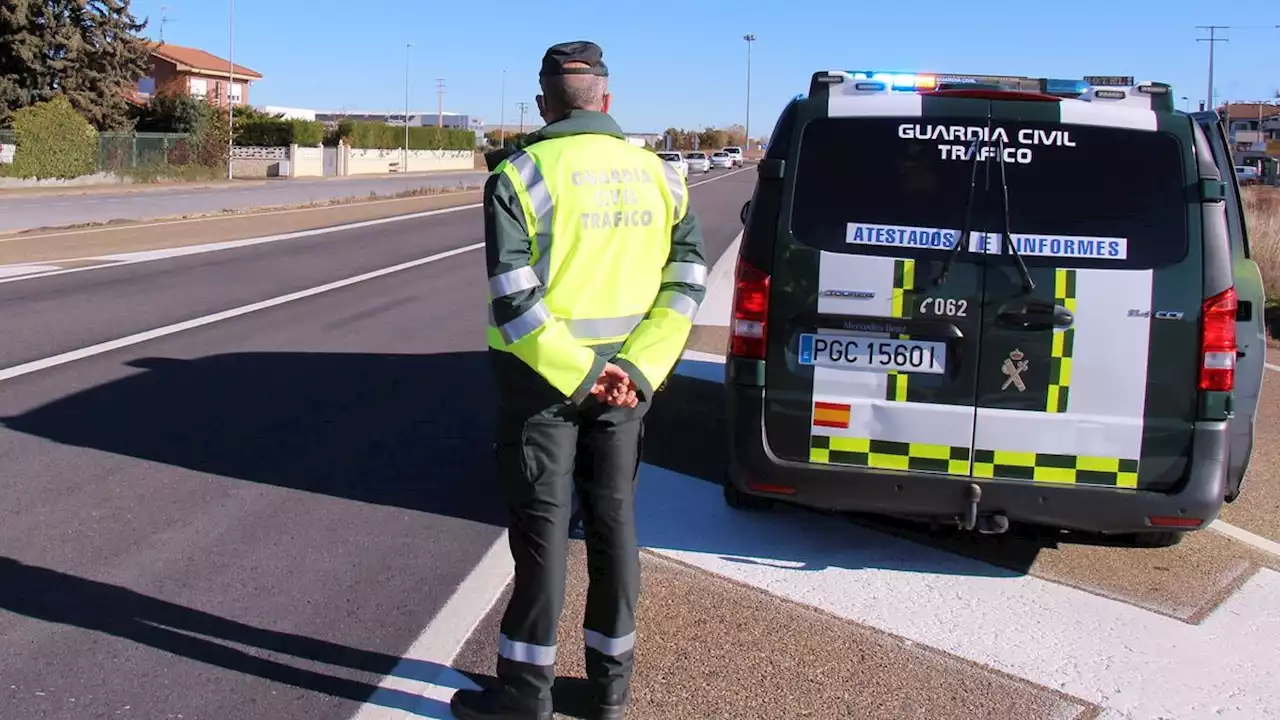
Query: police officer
x=596, y=269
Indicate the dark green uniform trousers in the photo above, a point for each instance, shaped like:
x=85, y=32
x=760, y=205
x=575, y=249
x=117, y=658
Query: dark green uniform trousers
x=545, y=445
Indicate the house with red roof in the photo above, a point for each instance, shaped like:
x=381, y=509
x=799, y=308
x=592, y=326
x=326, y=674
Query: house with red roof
x=176, y=69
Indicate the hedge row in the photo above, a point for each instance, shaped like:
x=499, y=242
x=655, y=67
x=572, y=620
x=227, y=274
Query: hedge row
x=276, y=132
x=379, y=136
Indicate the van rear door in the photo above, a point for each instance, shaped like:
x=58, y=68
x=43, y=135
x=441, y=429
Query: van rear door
x=1250, y=327
x=1090, y=378
x=871, y=364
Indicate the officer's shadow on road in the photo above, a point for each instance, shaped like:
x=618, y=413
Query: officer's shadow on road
x=685, y=443
x=51, y=596
x=410, y=431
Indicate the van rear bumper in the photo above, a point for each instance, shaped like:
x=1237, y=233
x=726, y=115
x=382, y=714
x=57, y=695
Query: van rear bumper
x=928, y=496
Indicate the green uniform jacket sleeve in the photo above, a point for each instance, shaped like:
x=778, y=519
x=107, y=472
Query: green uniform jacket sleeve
x=656, y=344
x=529, y=330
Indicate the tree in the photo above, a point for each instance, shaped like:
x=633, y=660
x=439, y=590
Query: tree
x=89, y=51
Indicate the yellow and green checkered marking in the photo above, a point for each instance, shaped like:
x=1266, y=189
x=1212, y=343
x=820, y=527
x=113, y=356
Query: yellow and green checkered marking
x=1064, y=294
x=1042, y=467
x=904, y=282
x=887, y=455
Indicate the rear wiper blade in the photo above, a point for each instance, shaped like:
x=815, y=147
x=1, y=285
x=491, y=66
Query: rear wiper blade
x=962, y=242
x=1027, y=283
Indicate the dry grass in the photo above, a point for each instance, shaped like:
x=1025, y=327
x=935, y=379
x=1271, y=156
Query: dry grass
x=1262, y=213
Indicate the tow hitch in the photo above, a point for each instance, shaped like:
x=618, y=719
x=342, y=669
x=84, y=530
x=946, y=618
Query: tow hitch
x=988, y=524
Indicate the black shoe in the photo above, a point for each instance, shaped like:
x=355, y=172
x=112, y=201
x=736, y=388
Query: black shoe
x=612, y=712
x=612, y=707
x=495, y=704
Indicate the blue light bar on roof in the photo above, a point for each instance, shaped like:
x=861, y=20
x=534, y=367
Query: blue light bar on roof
x=924, y=82
x=1072, y=88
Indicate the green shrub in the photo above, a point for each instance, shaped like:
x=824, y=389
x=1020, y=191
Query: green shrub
x=53, y=141
x=276, y=132
x=380, y=136
x=308, y=133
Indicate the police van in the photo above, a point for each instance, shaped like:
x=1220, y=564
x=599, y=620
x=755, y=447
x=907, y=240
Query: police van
x=977, y=300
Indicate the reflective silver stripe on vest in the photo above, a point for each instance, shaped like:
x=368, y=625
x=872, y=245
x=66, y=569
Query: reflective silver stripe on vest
x=676, y=184
x=613, y=647
x=512, y=282
x=543, y=209
x=530, y=320
x=692, y=273
x=542, y=655
x=679, y=302
x=600, y=328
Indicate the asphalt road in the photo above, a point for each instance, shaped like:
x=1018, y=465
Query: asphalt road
x=253, y=518
x=20, y=212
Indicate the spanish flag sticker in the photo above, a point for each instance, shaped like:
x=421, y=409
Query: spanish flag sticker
x=831, y=415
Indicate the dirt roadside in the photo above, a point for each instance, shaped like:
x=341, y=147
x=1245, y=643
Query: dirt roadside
x=80, y=244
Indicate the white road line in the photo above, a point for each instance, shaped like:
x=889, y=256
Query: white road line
x=121, y=260
x=1246, y=537
x=100, y=348
x=424, y=669
x=230, y=216
x=717, y=306
x=1272, y=367
x=152, y=255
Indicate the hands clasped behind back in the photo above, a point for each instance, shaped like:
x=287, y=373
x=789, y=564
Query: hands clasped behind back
x=615, y=387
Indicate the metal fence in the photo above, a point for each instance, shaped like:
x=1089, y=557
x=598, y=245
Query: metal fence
x=124, y=151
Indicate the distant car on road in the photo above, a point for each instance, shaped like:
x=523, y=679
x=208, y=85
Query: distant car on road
x=674, y=160
x=721, y=159
x=698, y=162
x=736, y=154
x=1248, y=175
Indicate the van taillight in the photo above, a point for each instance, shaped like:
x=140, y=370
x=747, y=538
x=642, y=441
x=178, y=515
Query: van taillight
x=750, y=308
x=1218, y=342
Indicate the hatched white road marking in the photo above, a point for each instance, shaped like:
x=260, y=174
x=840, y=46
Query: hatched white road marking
x=15, y=270
x=1131, y=661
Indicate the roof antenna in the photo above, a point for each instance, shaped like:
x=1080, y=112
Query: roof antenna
x=164, y=20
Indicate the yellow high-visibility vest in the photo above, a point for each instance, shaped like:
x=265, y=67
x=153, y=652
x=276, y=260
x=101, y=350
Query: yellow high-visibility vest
x=599, y=214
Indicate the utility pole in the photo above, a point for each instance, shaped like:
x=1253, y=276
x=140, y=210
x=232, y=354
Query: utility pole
x=439, y=102
x=502, y=111
x=746, y=140
x=231, y=80
x=523, y=106
x=1213, y=40
x=405, y=165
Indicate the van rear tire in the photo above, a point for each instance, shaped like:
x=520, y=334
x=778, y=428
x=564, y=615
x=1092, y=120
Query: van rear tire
x=738, y=500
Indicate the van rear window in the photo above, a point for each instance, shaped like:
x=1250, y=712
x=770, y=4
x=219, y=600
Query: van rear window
x=1079, y=196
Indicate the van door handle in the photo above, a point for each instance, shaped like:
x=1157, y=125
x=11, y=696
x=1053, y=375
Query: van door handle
x=1034, y=315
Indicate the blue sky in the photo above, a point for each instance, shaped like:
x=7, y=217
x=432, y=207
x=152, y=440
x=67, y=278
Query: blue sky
x=684, y=64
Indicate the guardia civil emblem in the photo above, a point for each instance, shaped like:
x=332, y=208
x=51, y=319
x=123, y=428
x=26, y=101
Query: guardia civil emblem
x=1013, y=367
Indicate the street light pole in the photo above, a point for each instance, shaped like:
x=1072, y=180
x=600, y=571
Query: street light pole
x=405, y=166
x=746, y=131
x=231, y=80
x=502, y=111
